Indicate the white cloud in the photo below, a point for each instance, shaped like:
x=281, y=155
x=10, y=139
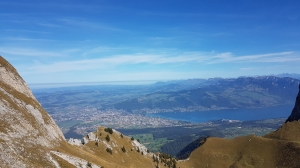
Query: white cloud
x=248, y=68
x=26, y=39
x=160, y=38
x=26, y=31
x=164, y=58
x=270, y=57
x=49, y=25
x=101, y=49
x=30, y=52
x=16, y=52
x=83, y=23
x=110, y=62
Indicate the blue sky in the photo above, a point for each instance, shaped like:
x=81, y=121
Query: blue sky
x=116, y=40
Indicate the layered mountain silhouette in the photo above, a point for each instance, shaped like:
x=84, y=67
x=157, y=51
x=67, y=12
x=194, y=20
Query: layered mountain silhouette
x=30, y=138
x=219, y=93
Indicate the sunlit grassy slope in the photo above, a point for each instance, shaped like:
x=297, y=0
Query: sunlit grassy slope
x=97, y=154
x=278, y=149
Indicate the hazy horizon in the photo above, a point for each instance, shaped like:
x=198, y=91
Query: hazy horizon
x=128, y=82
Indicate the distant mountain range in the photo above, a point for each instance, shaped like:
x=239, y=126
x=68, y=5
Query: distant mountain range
x=216, y=93
x=175, y=95
x=290, y=75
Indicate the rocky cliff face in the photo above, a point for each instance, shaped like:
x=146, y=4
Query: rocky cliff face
x=9, y=76
x=26, y=130
x=30, y=138
x=295, y=115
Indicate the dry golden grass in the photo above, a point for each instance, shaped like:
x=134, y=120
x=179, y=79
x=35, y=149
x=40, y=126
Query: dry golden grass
x=25, y=99
x=4, y=126
x=250, y=151
x=288, y=131
x=9, y=67
x=34, y=156
x=98, y=154
x=18, y=95
x=62, y=163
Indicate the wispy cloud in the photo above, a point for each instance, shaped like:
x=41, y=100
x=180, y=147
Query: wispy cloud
x=110, y=62
x=248, y=68
x=200, y=58
x=221, y=34
x=27, y=31
x=160, y=38
x=270, y=57
x=102, y=49
x=51, y=25
x=34, y=52
x=89, y=24
x=24, y=39
x=203, y=15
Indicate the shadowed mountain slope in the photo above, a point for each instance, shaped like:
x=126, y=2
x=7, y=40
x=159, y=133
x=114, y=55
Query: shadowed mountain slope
x=296, y=111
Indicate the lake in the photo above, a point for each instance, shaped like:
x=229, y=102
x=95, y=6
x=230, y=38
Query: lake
x=282, y=111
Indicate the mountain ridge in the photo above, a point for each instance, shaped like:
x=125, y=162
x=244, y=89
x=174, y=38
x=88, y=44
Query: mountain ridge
x=232, y=93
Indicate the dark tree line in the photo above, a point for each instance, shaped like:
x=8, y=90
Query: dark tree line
x=109, y=130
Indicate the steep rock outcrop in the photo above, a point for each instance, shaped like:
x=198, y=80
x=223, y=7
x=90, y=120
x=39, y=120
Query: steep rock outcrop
x=26, y=129
x=10, y=76
x=295, y=115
